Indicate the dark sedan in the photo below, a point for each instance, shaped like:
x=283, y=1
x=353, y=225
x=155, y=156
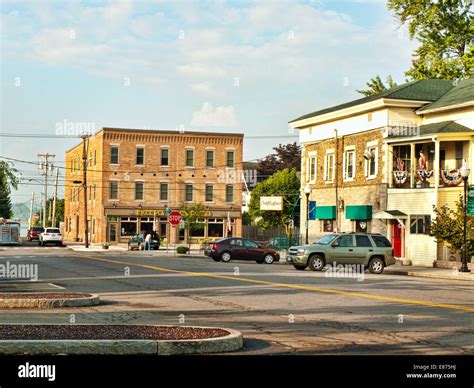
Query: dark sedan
x=240, y=249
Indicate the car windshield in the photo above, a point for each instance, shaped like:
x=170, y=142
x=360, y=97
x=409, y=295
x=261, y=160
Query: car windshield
x=52, y=230
x=326, y=239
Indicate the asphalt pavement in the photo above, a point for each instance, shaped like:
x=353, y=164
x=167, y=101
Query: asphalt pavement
x=278, y=309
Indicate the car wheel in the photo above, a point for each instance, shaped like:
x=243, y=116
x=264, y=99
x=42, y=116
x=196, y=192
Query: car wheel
x=226, y=257
x=376, y=265
x=300, y=267
x=316, y=263
x=268, y=259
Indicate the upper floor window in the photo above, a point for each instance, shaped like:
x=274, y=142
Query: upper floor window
x=209, y=193
x=188, y=192
x=349, y=165
x=209, y=158
x=114, y=155
x=230, y=159
x=140, y=156
x=165, y=157
x=113, y=189
x=329, y=167
x=163, y=191
x=311, y=169
x=189, y=158
x=229, y=193
x=95, y=157
x=139, y=191
x=371, y=161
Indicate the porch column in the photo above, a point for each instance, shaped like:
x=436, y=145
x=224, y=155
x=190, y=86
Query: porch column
x=412, y=165
x=436, y=173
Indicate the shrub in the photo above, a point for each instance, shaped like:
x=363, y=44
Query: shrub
x=182, y=250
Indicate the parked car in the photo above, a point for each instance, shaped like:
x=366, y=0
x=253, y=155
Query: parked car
x=34, y=232
x=372, y=250
x=137, y=242
x=50, y=236
x=281, y=242
x=236, y=248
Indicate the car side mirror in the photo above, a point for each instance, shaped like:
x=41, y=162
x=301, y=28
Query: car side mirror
x=335, y=244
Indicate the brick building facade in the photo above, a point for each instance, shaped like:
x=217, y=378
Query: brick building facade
x=134, y=176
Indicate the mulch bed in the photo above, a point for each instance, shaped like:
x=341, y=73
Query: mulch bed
x=37, y=295
x=106, y=332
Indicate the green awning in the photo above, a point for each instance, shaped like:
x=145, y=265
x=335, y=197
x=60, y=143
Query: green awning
x=363, y=212
x=326, y=212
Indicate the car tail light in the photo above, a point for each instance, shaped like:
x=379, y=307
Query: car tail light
x=46, y=234
x=59, y=234
x=213, y=246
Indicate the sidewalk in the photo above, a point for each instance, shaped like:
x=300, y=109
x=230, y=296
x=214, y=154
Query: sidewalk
x=424, y=272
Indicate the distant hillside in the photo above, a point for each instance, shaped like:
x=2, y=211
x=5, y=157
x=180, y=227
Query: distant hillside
x=21, y=211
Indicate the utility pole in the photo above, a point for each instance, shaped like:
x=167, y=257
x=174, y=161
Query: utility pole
x=84, y=186
x=45, y=167
x=31, y=210
x=55, y=197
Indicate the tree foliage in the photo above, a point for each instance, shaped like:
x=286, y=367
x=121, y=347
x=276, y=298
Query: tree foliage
x=445, y=30
x=8, y=180
x=449, y=226
x=376, y=85
x=192, y=217
x=285, y=183
x=285, y=156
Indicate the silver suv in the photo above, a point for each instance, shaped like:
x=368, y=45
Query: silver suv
x=372, y=250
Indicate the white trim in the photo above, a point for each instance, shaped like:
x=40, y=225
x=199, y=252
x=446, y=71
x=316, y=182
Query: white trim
x=345, y=165
x=358, y=109
x=325, y=176
x=375, y=145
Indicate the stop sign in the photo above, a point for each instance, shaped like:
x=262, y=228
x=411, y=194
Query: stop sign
x=174, y=218
x=36, y=217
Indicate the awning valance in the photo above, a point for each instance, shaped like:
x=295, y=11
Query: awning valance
x=390, y=215
x=326, y=212
x=359, y=212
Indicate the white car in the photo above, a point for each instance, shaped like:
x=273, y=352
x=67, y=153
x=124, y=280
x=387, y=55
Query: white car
x=50, y=236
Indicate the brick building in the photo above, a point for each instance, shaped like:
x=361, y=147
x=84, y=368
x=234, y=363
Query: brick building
x=134, y=176
x=383, y=162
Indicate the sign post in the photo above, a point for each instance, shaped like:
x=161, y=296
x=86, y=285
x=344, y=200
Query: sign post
x=470, y=200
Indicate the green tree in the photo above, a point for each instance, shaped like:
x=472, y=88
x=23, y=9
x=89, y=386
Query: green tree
x=193, y=216
x=59, y=210
x=449, y=226
x=285, y=156
x=376, y=85
x=285, y=183
x=8, y=180
x=445, y=30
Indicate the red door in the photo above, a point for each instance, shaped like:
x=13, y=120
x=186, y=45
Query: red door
x=397, y=239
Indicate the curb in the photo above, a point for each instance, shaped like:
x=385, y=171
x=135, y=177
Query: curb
x=232, y=342
x=431, y=275
x=43, y=303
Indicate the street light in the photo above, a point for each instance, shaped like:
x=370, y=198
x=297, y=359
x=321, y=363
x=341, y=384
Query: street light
x=465, y=171
x=307, y=192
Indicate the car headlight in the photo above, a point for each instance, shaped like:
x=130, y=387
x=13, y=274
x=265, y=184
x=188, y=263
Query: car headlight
x=301, y=251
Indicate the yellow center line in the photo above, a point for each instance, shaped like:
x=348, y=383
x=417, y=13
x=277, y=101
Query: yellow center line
x=287, y=285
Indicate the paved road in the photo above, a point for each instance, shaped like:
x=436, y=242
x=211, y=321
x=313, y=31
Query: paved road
x=278, y=309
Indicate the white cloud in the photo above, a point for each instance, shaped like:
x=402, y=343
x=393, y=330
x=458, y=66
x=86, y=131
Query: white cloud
x=221, y=116
x=204, y=89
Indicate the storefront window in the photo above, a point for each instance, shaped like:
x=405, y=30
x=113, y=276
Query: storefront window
x=128, y=226
x=215, y=227
x=328, y=225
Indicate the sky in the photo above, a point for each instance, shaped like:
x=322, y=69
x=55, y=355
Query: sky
x=220, y=66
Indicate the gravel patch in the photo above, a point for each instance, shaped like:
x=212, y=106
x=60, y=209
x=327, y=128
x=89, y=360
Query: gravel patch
x=107, y=332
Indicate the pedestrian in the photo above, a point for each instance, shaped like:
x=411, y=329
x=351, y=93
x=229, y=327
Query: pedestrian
x=147, y=242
